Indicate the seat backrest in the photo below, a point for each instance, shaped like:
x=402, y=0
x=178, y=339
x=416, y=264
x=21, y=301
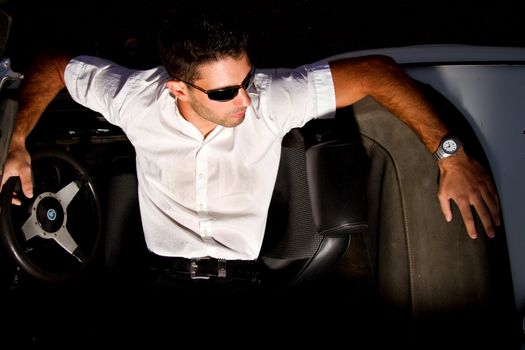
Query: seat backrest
x=125, y=249
x=319, y=200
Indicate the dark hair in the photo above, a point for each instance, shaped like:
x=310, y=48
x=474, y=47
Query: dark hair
x=191, y=38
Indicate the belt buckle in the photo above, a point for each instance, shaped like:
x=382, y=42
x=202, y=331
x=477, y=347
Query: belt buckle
x=196, y=274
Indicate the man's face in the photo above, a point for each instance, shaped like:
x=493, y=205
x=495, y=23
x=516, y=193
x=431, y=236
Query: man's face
x=216, y=75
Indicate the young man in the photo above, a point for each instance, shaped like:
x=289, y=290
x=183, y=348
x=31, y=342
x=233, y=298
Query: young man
x=207, y=129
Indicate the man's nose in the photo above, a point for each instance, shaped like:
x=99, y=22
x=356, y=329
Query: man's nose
x=243, y=98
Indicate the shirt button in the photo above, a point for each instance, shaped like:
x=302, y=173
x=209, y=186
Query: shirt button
x=205, y=232
x=201, y=206
x=201, y=175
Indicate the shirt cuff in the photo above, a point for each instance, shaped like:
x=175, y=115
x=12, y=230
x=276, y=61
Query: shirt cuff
x=322, y=81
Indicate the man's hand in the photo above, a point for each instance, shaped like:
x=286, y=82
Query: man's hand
x=42, y=82
x=464, y=180
x=18, y=163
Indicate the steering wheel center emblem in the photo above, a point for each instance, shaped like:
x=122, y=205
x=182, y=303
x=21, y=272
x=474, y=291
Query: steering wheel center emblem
x=51, y=214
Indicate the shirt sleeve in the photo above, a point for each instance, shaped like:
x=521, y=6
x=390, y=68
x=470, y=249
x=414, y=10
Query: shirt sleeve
x=289, y=98
x=98, y=84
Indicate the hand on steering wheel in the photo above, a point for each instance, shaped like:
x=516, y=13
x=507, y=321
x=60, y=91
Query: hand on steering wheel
x=55, y=235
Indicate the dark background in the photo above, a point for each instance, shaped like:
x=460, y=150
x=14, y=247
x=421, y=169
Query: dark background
x=284, y=33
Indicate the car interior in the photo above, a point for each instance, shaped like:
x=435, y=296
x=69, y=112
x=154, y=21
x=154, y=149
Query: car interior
x=354, y=225
x=356, y=248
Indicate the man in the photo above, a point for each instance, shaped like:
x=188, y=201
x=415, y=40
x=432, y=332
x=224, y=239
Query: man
x=207, y=129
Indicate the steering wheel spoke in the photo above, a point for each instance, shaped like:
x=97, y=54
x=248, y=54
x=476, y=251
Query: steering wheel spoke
x=66, y=194
x=31, y=228
x=64, y=239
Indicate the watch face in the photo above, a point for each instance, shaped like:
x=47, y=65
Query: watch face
x=450, y=146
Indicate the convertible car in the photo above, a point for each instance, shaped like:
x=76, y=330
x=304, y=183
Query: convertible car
x=356, y=248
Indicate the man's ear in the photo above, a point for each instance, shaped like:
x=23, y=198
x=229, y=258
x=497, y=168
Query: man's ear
x=178, y=89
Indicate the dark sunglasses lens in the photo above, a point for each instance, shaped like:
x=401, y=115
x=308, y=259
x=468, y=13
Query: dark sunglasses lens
x=223, y=95
x=230, y=93
x=248, y=81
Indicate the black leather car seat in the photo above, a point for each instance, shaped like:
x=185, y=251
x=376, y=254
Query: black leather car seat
x=319, y=200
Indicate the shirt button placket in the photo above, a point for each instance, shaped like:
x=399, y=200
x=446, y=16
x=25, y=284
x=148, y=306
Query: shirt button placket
x=201, y=196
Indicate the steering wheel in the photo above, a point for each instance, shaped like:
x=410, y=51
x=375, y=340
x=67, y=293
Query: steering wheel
x=54, y=235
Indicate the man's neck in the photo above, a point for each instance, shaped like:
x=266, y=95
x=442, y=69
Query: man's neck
x=203, y=125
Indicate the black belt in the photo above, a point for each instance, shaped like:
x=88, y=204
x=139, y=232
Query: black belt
x=207, y=267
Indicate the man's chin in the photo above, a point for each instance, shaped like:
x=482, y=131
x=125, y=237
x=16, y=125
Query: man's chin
x=234, y=120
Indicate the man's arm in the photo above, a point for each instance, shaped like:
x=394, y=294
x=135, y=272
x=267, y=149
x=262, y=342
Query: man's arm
x=462, y=179
x=41, y=84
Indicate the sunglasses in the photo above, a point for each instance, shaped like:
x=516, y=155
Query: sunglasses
x=227, y=93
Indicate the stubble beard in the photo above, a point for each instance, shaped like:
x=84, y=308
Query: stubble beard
x=208, y=114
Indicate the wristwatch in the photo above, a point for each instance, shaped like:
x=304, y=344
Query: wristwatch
x=448, y=146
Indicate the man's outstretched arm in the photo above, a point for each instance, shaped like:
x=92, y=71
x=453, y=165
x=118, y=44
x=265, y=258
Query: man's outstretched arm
x=41, y=84
x=462, y=179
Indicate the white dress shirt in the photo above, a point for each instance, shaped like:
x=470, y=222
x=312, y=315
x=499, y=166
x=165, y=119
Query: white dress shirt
x=202, y=196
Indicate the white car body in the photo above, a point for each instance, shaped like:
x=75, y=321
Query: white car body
x=487, y=84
